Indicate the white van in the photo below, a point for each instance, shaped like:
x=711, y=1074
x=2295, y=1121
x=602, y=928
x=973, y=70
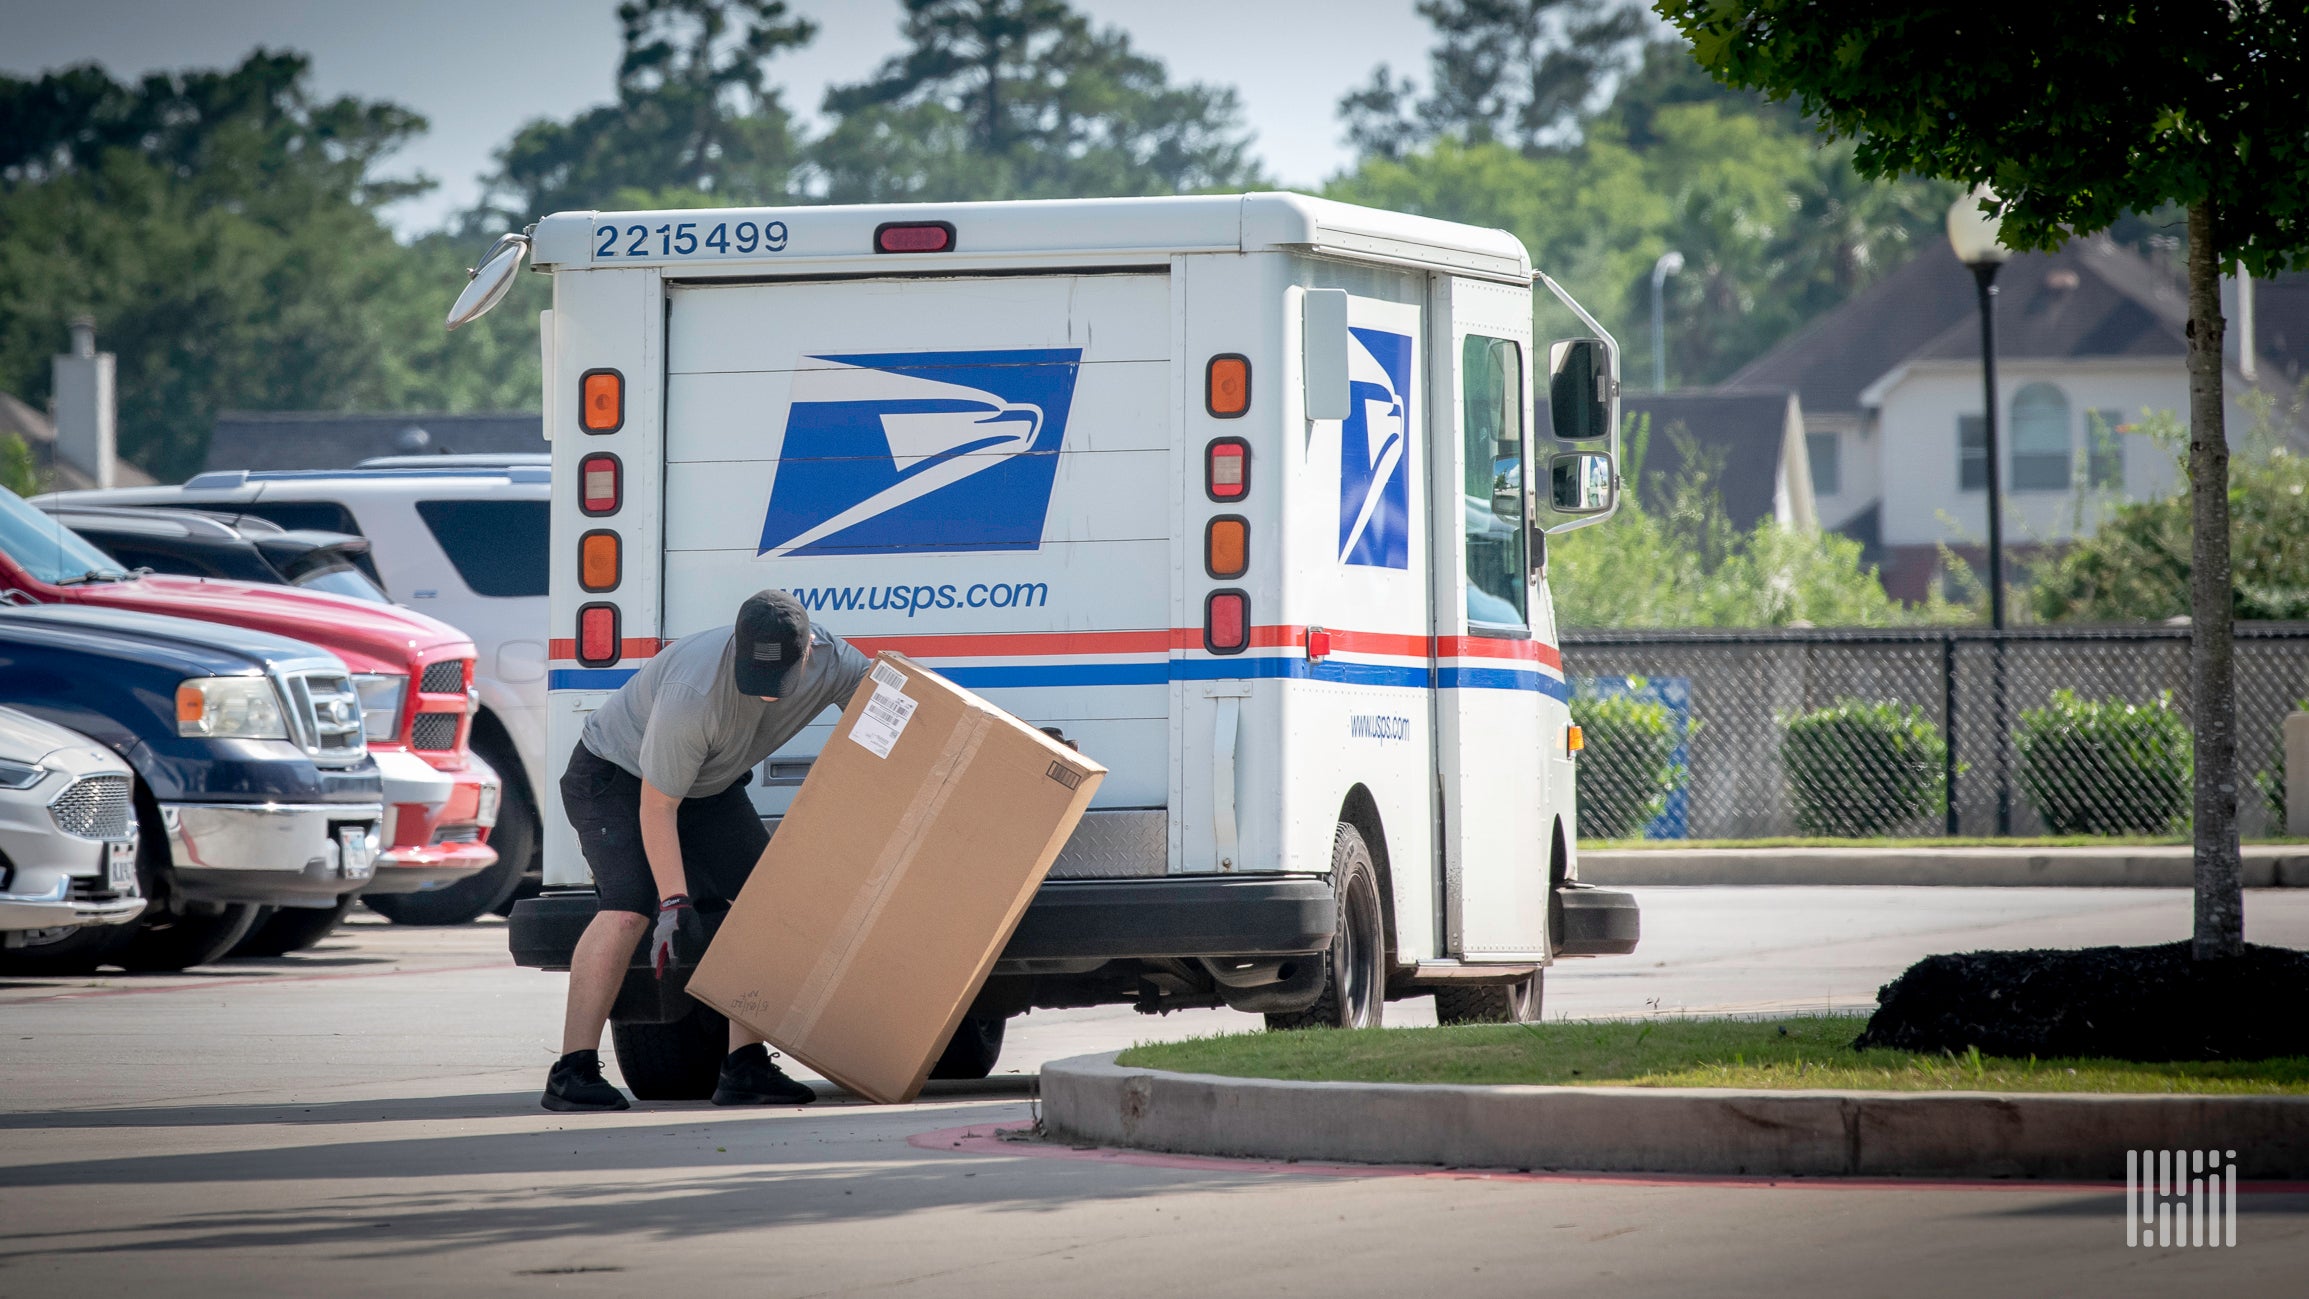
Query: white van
x=1233, y=492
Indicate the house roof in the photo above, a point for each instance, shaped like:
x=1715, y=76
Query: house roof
x=325, y=440
x=2093, y=298
x=1750, y=429
x=55, y=474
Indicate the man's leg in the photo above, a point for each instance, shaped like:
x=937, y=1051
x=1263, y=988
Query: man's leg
x=596, y=971
x=721, y=839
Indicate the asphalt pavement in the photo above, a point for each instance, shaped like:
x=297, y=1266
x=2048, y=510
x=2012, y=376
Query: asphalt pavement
x=361, y=1119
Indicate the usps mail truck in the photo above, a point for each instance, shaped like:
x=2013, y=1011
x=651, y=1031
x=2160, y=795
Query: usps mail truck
x=1246, y=496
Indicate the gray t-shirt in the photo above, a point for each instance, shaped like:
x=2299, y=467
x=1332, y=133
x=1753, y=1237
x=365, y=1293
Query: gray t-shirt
x=681, y=724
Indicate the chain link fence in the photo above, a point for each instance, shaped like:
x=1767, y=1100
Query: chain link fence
x=1849, y=734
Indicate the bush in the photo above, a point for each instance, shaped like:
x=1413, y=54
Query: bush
x=1628, y=767
x=2104, y=766
x=1861, y=768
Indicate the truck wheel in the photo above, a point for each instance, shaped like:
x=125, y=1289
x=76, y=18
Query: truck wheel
x=1354, y=970
x=680, y=1061
x=972, y=1051
x=291, y=929
x=175, y=940
x=1499, y=1003
x=76, y=950
x=514, y=837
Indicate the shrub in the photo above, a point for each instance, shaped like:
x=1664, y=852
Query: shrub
x=1628, y=767
x=2104, y=766
x=1860, y=768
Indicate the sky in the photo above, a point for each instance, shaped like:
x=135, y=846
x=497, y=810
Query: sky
x=478, y=69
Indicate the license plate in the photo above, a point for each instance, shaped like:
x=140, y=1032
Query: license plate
x=120, y=866
x=356, y=861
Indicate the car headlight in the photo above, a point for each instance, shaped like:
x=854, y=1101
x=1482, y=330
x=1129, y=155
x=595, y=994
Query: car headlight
x=20, y=775
x=381, y=696
x=241, y=708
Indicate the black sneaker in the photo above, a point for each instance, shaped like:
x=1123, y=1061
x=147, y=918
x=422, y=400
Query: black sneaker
x=576, y=1084
x=749, y=1078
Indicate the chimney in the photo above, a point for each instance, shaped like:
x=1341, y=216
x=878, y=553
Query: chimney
x=82, y=381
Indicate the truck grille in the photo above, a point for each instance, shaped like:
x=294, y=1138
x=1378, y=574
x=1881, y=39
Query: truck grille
x=328, y=716
x=94, y=807
x=446, y=677
x=434, y=731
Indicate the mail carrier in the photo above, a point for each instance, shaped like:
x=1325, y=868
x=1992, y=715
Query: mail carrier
x=1246, y=496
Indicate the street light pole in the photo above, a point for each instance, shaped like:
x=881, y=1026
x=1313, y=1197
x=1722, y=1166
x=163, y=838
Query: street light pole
x=1668, y=264
x=1973, y=234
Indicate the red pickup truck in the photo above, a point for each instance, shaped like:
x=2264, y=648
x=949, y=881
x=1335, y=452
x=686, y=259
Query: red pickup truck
x=414, y=675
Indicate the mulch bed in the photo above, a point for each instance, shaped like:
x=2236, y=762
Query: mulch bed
x=2122, y=1003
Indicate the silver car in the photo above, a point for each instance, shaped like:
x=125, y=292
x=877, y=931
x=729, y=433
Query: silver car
x=67, y=832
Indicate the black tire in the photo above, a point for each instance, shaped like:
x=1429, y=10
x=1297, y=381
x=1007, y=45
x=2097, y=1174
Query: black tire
x=1355, y=969
x=79, y=950
x=515, y=838
x=290, y=929
x=972, y=1051
x=1498, y=1003
x=529, y=887
x=200, y=934
x=680, y=1061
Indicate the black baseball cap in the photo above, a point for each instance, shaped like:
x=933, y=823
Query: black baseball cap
x=773, y=632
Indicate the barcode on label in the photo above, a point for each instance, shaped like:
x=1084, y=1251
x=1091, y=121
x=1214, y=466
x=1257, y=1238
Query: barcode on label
x=882, y=720
x=885, y=675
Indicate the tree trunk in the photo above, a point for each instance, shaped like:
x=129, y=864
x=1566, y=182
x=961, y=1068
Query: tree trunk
x=2220, y=912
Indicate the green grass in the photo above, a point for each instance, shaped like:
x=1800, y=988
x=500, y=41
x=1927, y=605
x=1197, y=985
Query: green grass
x=1800, y=1051
x=1792, y=841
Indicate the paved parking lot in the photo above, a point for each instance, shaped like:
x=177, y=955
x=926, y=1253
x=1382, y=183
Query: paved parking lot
x=362, y=1119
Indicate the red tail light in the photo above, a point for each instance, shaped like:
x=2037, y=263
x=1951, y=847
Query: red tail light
x=600, y=484
x=597, y=644
x=1227, y=622
x=1227, y=469
x=914, y=237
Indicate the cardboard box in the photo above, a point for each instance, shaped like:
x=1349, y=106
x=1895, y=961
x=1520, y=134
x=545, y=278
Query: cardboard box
x=894, y=881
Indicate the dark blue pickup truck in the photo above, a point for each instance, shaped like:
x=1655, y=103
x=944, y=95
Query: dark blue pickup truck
x=254, y=785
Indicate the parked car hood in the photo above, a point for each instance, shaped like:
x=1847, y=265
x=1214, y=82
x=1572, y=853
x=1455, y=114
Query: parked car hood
x=209, y=642
x=369, y=637
x=25, y=738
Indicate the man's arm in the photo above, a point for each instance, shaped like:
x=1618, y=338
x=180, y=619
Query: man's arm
x=661, y=840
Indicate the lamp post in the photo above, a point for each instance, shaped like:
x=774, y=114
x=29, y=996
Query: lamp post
x=1973, y=234
x=1668, y=264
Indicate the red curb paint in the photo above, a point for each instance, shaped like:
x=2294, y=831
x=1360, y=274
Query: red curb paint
x=985, y=1139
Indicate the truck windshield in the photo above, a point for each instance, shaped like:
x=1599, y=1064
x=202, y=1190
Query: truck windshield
x=47, y=550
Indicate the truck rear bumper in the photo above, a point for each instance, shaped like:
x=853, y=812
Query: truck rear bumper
x=1598, y=922
x=1071, y=921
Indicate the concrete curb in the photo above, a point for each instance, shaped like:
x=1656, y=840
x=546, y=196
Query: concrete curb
x=2153, y=867
x=1661, y=1130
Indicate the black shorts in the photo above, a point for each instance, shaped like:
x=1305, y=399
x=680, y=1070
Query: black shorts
x=721, y=835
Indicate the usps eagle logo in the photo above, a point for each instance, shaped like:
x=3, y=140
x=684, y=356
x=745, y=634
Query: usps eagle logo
x=1374, y=450
x=920, y=452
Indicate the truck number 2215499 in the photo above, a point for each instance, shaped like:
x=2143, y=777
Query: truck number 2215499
x=682, y=239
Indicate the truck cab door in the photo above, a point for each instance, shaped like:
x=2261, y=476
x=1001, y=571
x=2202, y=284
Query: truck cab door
x=1498, y=681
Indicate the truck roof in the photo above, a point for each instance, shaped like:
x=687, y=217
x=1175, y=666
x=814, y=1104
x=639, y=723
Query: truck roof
x=1118, y=231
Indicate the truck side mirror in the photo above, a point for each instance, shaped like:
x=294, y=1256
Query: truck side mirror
x=1323, y=352
x=1579, y=389
x=1581, y=482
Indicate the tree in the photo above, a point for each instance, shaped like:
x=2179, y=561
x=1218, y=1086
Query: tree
x=1523, y=73
x=2075, y=113
x=696, y=119
x=1025, y=99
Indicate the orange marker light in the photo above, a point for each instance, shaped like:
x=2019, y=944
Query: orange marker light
x=601, y=401
x=1227, y=547
x=1574, y=739
x=1227, y=385
x=191, y=706
x=600, y=561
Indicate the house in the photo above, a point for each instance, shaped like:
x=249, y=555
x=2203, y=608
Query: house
x=1752, y=443
x=2090, y=352
x=325, y=440
x=52, y=469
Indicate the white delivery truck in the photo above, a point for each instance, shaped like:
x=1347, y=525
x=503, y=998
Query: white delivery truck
x=1247, y=496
